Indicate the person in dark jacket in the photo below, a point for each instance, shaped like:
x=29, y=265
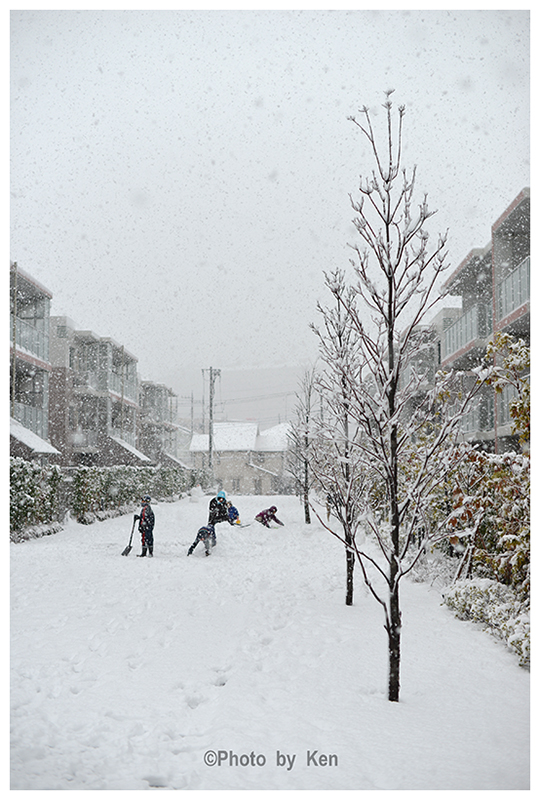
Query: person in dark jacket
x=218, y=510
x=146, y=528
x=207, y=536
x=267, y=516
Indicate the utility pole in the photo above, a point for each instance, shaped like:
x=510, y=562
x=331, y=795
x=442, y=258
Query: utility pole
x=214, y=373
x=14, y=343
x=122, y=398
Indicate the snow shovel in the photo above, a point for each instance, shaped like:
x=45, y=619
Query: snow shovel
x=127, y=550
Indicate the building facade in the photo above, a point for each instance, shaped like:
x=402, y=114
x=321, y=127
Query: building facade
x=158, y=435
x=494, y=285
x=30, y=367
x=94, y=402
x=244, y=460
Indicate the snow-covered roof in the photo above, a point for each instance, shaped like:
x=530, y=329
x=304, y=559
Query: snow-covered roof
x=130, y=449
x=274, y=439
x=242, y=437
x=199, y=443
x=228, y=436
x=30, y=439
x=175, y=460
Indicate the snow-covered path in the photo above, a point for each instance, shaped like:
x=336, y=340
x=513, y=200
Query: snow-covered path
x=127, y=671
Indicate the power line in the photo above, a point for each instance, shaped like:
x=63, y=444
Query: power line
x=260, y=397
x=253, y=399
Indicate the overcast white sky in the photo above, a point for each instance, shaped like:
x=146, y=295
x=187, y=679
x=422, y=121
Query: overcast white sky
x=180, y=179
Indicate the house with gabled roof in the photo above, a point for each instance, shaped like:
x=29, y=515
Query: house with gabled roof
x=244, y=460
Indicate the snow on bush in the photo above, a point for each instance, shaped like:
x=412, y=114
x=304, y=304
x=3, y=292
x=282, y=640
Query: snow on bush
x=33, y=494
x=496, y=606
x=101, y=492
x=89, y=493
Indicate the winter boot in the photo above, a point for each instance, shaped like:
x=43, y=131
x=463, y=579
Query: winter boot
x=142, y=555
x=189, y=552
x=151, y=551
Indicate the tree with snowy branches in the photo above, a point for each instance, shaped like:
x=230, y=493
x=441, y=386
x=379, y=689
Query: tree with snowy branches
x=301, y=440
x=334, y=462
x=403, y=438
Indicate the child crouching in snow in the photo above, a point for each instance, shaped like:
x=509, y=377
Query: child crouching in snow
x=234, y=515
x=207, y=535
x=267, y=516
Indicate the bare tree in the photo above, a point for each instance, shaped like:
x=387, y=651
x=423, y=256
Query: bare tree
x=334, y=462
x=403, y=438
x=301, y=439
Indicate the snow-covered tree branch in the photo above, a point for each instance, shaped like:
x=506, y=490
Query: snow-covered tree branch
x=388, y=444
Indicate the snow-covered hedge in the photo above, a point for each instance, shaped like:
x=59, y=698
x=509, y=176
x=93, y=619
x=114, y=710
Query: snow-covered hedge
x=33, y=494
x=496, y=606
x=41, y=495
x=98, y=490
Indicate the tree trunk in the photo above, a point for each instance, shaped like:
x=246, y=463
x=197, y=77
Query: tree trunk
x=307, y=516
x=394, y=644
x=350, y=571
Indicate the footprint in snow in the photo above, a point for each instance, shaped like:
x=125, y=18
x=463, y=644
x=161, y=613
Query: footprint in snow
x=195, y=700
x=155, y=781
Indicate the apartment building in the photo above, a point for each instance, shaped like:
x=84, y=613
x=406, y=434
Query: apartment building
x=494, y=285
x=30, y=367
x=244, y=460
x=94, y=401
x=159, y=431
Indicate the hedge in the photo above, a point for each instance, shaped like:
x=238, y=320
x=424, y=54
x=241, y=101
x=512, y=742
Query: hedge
x=41, y=495
x=33, y=494
x=495, y=606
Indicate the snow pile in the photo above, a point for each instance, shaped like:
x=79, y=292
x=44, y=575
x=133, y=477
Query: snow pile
x=245, y=670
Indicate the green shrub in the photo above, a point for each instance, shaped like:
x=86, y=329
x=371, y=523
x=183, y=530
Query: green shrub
x=94, y=492
x=496, y=606
x=33, y=493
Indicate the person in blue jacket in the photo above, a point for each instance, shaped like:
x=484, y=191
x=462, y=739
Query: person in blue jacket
x=146, y=527
x=234, y=514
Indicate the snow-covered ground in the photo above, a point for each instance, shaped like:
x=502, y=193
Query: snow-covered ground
x=130, y=673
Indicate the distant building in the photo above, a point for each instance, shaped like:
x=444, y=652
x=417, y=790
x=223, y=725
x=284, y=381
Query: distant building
x=245, y=461
x=93, y=398
x=30, y=367
x=159, y=431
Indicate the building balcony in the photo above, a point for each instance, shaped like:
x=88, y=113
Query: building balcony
x=125, y=435
x=124, y=387
x=85, y=380
x=32, y=417
x=30, y=338
x=467, y=332
x=514, y=290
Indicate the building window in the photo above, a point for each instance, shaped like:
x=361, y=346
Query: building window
x=236, y=485
x=61, y=331
x=257, y=486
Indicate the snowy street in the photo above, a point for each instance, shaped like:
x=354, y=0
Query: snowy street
x=131, y=673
